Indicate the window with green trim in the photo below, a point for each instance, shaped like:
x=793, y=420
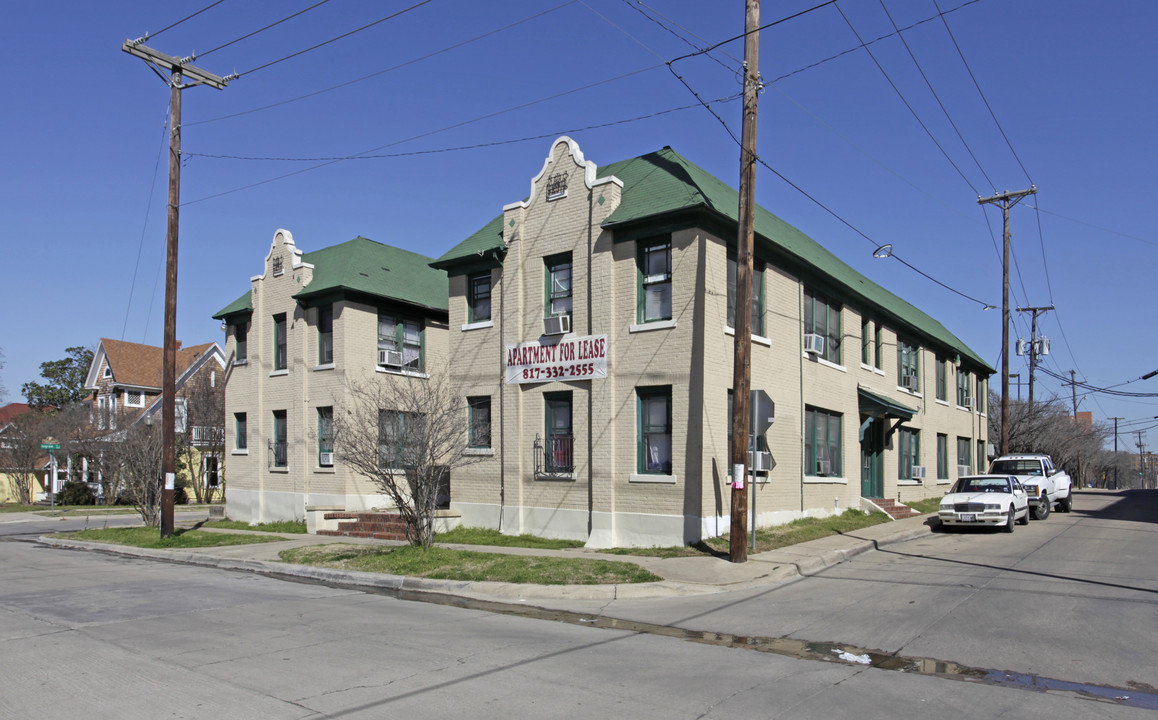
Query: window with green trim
x=965, y=455
x=558, y=276
x=963, y=383
x=240, y=432
x=325, y=436
x=479, y=298
x=401, y=438
x=981, y=458
x=942, y=457
x=942, y=379
x=480, y=422
x=280, y=445
x=908, y=365
x=404, y=336
x=878, y=347
x=757, y=294
x=866, y=343
x=908, y=452
x=979, y=396
x=240, y=341
x=822, y=435
x=822, y=317
x=325, y=334
x=654, y=409
x=654, y=293
x=280, y=359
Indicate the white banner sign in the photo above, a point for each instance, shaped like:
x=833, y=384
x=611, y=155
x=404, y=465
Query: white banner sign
x=577, y=358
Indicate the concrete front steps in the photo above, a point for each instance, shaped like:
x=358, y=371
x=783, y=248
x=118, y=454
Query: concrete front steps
x=374, y=525
x=890, y=507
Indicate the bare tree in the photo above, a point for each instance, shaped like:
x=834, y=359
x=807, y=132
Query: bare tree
x=405, y=434
x=1047, y=427
x=203, y=441
x=140, y=451
x=20, y=452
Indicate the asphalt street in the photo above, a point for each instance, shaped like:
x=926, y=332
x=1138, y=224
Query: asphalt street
x=1071, y=598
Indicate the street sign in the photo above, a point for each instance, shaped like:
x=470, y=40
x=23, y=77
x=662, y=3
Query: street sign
x=49, y=446
x=763, y=412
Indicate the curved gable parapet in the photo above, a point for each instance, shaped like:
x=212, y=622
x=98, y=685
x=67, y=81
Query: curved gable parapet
x=570, y=148
x=285, y=238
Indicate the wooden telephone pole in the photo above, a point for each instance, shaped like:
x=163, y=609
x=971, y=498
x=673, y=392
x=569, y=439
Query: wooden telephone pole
x=171, y=70
x=1007, y=200
x=741, y=368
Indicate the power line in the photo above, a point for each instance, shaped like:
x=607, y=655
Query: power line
x=267, y=27
x=904, y=100
x=428, y=133
x=929, y=84
x=475, y=146
x=188, y=17
x=977, y=85
x=870, y=42
x=145, y=225
x=335, y=39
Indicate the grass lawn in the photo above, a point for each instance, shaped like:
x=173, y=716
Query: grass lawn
x=286, y=526
x=797, y=531
x=468, y=565
x=87, y=509
x=928, y=505
x=479, y=536
x=145, y=537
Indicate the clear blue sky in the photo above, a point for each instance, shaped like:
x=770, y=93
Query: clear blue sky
x=82, y=192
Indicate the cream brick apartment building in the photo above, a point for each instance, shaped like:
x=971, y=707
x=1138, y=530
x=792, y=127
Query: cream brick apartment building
x=590, y=333
x=311, y=324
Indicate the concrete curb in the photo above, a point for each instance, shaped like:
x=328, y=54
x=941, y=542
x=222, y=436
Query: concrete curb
x=763, y=570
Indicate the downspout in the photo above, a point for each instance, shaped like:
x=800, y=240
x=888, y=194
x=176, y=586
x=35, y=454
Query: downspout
x=591, y=384
x=800, y=346
x=502, y=394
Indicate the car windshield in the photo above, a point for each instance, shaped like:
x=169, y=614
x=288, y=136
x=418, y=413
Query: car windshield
x=1017, y=467
x=983, y=484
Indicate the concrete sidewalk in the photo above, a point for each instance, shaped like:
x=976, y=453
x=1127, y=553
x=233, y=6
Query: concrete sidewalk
x=681, y=576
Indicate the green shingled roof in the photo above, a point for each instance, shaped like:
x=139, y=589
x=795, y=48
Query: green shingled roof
x=241, y=304
x=664, y=183
x=366, y=267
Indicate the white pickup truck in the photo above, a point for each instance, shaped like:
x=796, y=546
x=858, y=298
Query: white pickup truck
x=1045, y=484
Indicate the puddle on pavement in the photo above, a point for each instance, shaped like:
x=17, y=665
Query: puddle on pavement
x=1140, y=697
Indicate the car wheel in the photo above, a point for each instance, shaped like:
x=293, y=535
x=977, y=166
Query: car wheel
x=1008, y=526
x=1041, y=512
x=1067, y=503
x=1024, y=518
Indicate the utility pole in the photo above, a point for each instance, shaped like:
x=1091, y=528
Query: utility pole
x=1116, y=419
x=1035, y=347
x=741, y=368
x=1006, y=200
x=176, y=69
x=1141, y=462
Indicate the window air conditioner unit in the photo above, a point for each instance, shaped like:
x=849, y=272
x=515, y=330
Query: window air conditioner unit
x=557, y=325
x=814, y=344
x=391, y=358
x=326, y=459
x=967, y=402
x=658, y=278
x=918, y=472
x=823, y=467
x=760, y=460
x=964, y=470
x=909, y=382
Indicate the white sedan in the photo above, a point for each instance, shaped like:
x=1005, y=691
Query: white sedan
x=994, y=500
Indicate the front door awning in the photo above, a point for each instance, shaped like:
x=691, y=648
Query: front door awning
x=876, y=406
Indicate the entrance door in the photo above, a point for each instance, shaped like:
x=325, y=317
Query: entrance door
x=872, y=483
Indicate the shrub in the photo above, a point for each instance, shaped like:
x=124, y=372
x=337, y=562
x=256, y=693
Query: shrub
x=76, y=493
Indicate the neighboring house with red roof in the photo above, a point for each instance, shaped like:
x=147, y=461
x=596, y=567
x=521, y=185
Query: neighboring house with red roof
x=10, y=454
x=126, y=380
